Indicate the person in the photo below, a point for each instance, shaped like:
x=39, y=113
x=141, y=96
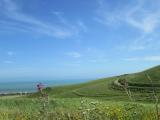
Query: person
x=40, y=87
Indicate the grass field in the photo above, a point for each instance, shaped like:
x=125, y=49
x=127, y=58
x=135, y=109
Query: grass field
x=74, y=109
x=95, y=100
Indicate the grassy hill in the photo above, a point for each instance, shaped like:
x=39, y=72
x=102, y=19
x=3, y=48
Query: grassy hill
x=141, y=78
x=104, y=88
x=95, y=88
x=101, y=89
x=94, y=100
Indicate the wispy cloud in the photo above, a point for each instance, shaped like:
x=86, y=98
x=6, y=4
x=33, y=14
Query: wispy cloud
x=82, y=26
x=146, y=58
x=98, y=60
x=89, y=55
x=62, y=30
x=76, y=63
x=144, y=42
x=141, y=15
x=8, y=62
x=9, y=54
x=95, y=55
x=136, y=14
x=144, y=19
x=74, y=54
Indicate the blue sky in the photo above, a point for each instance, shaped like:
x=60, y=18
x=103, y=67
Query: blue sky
x=59, y=39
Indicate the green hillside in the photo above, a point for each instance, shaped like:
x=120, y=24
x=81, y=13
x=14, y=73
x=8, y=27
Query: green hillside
x=95, y=88
x=102, y=99
x=154, y=74
x=105, y=88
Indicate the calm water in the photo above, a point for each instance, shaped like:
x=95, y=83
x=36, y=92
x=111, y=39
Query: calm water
x=30, y=86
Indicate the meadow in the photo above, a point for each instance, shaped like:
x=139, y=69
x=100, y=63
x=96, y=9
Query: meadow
x=74, y=109
x=94, y=100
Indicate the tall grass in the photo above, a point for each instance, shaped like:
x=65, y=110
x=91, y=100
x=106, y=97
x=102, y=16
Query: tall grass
x=74, y=109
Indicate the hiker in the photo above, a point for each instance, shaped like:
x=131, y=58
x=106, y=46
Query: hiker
x=40, y=87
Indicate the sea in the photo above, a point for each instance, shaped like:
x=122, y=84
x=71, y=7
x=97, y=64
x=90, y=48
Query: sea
x=31, y=86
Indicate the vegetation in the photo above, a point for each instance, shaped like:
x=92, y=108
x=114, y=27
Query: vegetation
x=114, y=98
x=73, y=109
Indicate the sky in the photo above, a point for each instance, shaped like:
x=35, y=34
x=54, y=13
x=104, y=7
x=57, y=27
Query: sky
x=77, y=39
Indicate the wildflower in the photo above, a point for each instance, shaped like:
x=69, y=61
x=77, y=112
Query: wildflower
x=107, y=107
x=87, y=109
x=94, y=103
x=83, y=113
x=82, y=102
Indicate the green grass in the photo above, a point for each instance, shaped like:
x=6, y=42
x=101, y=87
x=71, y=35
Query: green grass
x=103, y=87
x=74, y=109
x=141, y=78
x=92, y=100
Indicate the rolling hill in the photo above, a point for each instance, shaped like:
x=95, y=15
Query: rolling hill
x=105, y=87
x=98, y=98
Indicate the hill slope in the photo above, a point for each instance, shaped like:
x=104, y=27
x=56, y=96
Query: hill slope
x=141, y=77
x=104, y=87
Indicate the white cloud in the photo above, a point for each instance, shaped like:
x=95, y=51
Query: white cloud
x=8, y=62
x=137, y=47
x=147, y=23
x=62, y=30
x=131, y=59
x=144, y=42
x=137, y=14
x=152, y=58
x=60, y=17
x=146, y=58
x=141, y=15
x=98, y=60
x=74, y=54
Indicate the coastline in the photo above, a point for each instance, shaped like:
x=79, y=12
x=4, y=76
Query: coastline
x=8, y=88
x=16, y=93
